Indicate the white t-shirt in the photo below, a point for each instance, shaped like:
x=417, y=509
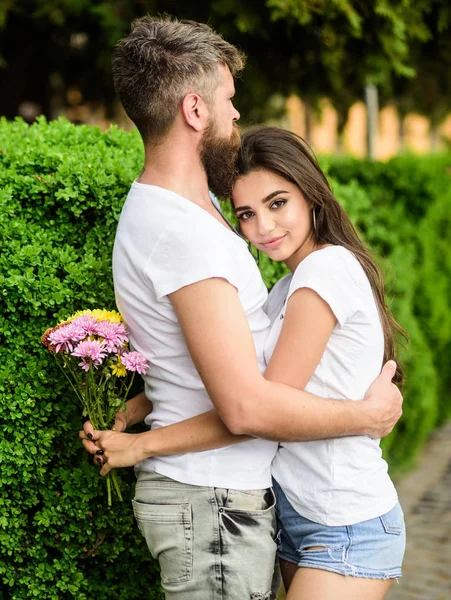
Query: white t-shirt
x=340, y=481
x=163, y=243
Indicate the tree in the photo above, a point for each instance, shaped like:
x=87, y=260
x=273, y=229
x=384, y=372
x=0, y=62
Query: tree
x=429, y=92
x=314, y=48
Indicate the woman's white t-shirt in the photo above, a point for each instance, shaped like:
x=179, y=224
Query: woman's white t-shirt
x=163, y=243
x=340, y=481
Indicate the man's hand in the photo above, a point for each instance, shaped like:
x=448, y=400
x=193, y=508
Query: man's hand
x=113, y=449
x=384, y=401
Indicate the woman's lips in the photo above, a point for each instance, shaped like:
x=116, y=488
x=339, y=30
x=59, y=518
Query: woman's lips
x=274, y=242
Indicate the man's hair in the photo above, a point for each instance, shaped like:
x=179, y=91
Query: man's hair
x=163, y=59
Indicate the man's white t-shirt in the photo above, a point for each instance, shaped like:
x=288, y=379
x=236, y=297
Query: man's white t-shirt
x=340, y=481
x=163, y=243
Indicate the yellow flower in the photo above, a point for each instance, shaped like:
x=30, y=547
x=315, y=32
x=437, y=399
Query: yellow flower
x=100, y=314
x=118, y=369
x=113, y=316
x=77, y=314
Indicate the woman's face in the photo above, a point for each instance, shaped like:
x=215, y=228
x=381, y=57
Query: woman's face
x=274, y=216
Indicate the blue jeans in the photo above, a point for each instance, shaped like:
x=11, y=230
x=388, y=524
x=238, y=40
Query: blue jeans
x=372, y=549
x=211, y=543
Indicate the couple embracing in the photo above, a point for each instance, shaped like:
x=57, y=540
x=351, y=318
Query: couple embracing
x=266, y=411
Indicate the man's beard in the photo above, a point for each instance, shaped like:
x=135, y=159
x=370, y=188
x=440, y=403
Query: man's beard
x=219, y=157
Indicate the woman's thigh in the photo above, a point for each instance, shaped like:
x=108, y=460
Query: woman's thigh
x=315, y=584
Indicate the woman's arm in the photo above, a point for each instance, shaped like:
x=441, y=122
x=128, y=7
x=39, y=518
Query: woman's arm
x=202, y=432
x=307, y=326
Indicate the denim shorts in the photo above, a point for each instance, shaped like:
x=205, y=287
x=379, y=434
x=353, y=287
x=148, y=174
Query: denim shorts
x=211, y=543
x=371, y=549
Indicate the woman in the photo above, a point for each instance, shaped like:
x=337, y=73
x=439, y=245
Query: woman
x=337, y=506
x=338, y=509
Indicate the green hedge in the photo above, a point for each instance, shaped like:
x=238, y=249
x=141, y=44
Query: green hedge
x=61, y=191
x=412, y=195
x=407, y=222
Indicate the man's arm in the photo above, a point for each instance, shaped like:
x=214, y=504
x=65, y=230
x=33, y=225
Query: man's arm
x=221, y=345
x=203, y=432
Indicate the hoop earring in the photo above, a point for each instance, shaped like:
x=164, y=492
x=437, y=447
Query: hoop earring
x=314, y=221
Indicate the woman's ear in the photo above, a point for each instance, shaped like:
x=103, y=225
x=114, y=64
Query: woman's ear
x=195, y=112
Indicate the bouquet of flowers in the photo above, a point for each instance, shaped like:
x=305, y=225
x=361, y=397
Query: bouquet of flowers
x=92, y=349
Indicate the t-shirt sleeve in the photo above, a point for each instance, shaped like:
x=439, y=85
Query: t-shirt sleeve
x=331, y=276
x=277, y=297
x=186, y=254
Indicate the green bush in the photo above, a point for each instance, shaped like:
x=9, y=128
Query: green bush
x=61, y=191
x=411, y=197
x=404, y=195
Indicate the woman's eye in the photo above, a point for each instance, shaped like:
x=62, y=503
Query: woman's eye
x=245, y=216
x=278, y=203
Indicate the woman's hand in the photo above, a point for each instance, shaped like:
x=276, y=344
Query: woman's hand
x=120, y=424
x=113, y=449
x=119, y=449
x=137, y=408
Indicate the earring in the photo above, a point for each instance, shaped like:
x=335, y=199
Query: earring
x=314, y=220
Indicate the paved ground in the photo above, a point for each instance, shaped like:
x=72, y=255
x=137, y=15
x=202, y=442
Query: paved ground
x=426, y=498
x=425, y=495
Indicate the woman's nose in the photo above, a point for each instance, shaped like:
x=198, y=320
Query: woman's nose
x=265, y=224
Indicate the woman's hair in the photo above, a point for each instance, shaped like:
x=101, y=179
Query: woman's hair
x=288, y=155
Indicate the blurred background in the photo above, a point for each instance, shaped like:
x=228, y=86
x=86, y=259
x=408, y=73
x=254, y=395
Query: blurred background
x=351, y=76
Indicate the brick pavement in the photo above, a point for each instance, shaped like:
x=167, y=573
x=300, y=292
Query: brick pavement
x=426, y=498
x=425, y=494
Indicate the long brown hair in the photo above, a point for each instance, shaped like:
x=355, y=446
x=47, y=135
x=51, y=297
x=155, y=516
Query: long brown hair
x=288, y=155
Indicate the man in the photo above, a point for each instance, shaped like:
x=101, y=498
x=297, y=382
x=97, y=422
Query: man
x=193, y=298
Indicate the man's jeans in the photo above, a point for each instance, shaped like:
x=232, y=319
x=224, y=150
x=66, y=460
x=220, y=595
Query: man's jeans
x=212, y=543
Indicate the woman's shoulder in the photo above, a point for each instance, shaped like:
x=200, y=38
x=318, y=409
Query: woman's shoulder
x=330, y=261
x=333, y=267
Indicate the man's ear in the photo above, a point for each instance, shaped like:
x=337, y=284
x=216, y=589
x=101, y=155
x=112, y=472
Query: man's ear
x=195, y=112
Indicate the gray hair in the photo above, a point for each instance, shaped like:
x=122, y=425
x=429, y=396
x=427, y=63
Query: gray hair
x=163, y=59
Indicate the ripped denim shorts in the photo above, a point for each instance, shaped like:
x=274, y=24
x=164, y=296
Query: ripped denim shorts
x=371, y=549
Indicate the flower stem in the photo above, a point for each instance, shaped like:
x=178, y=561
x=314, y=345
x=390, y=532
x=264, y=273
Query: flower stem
x=79, y=396
x=108, y=487
x=116, y=485
x=129, y=387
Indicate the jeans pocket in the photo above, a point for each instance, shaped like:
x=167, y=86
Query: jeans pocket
x=393, y=521
x=167, y=529
x=253, y=501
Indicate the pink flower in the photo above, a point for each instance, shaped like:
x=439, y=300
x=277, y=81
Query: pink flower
x=91, y=352
x=65, y=337
x=114, y=335
x=134, y=361
x=87, y=323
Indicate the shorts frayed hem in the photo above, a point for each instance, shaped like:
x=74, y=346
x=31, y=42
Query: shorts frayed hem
x=346, y=570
